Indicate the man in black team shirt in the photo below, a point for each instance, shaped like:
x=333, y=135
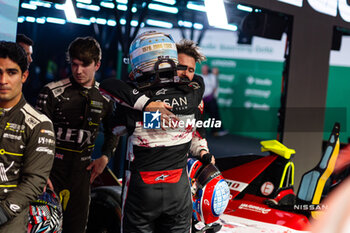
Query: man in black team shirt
x=156, y=194
x=77, y=108
x=27, y=143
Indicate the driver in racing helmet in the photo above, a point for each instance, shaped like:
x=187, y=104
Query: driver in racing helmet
x=156, y=195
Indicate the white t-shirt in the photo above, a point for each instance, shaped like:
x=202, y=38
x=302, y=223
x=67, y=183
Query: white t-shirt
x=210, y=84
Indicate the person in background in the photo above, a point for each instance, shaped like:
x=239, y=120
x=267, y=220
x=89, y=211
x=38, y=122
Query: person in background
x=210, y=104
x=32, y=85
x=27, y=143
x=77, y=109
x=27, y=45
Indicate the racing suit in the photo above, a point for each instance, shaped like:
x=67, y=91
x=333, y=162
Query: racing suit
x=27, y=146
x=76, y=113
x=156, y=193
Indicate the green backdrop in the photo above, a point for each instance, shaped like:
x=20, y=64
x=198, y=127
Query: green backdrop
x=250, y=92
x=249, y=95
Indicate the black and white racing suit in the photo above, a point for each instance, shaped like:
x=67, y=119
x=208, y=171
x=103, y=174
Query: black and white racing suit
x=76, y=113
x=27, y=147
x=156, y=194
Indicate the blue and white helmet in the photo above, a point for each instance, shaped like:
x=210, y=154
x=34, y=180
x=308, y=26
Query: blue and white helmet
x=149, y=48
x=210, y=192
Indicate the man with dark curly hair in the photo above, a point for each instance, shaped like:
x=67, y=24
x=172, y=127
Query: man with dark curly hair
x=189, y=55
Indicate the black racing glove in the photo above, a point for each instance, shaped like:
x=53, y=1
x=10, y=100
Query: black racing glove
x=3, y=216
x=206, y=158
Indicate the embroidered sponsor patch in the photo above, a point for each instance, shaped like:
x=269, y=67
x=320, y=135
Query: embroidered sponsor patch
x=96, y=110
x=11, y=136
x=47, y=141
x=14, y=207
x=48, y=132
x=44, y=149
x=194, y=85
x=59, y=156
x=58, y=91
x=85, y=158
x=14, y=127
x=96, y=104
x=135, y=91
x=161, y=91
x=31, y=121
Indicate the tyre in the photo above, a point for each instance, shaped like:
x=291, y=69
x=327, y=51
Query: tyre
x=105, y=210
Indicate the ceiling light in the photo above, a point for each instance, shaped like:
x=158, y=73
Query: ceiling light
x=122, y=7
x=30, y=19
x=107, y=4
x=169, y=2
x=41, y=20
x=244, y=8
x=81, y=21
x=216, y=12
x=158, y=23
x=111, y=22
x=101, y=21
x=69, y=10
x=84, y=1
x=55, y=20
x=198, y=26
x=87, y=7
x=38, y=3
x=158, y=7
x=28, y=6
x=21, y=19
x=122, y=1
x=196, y=7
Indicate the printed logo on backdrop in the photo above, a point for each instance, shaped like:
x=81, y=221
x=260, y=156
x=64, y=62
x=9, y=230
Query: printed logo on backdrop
x=151, y=120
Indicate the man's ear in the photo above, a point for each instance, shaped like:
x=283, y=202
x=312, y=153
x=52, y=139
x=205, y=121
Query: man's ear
x=25, y=76
x=97, y=66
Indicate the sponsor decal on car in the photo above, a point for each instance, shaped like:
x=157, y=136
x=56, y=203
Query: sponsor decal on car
x=254, y=208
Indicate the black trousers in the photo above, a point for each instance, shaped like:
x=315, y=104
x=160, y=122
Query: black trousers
x=212, y=110
x=158, y=207
x=71, y=182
